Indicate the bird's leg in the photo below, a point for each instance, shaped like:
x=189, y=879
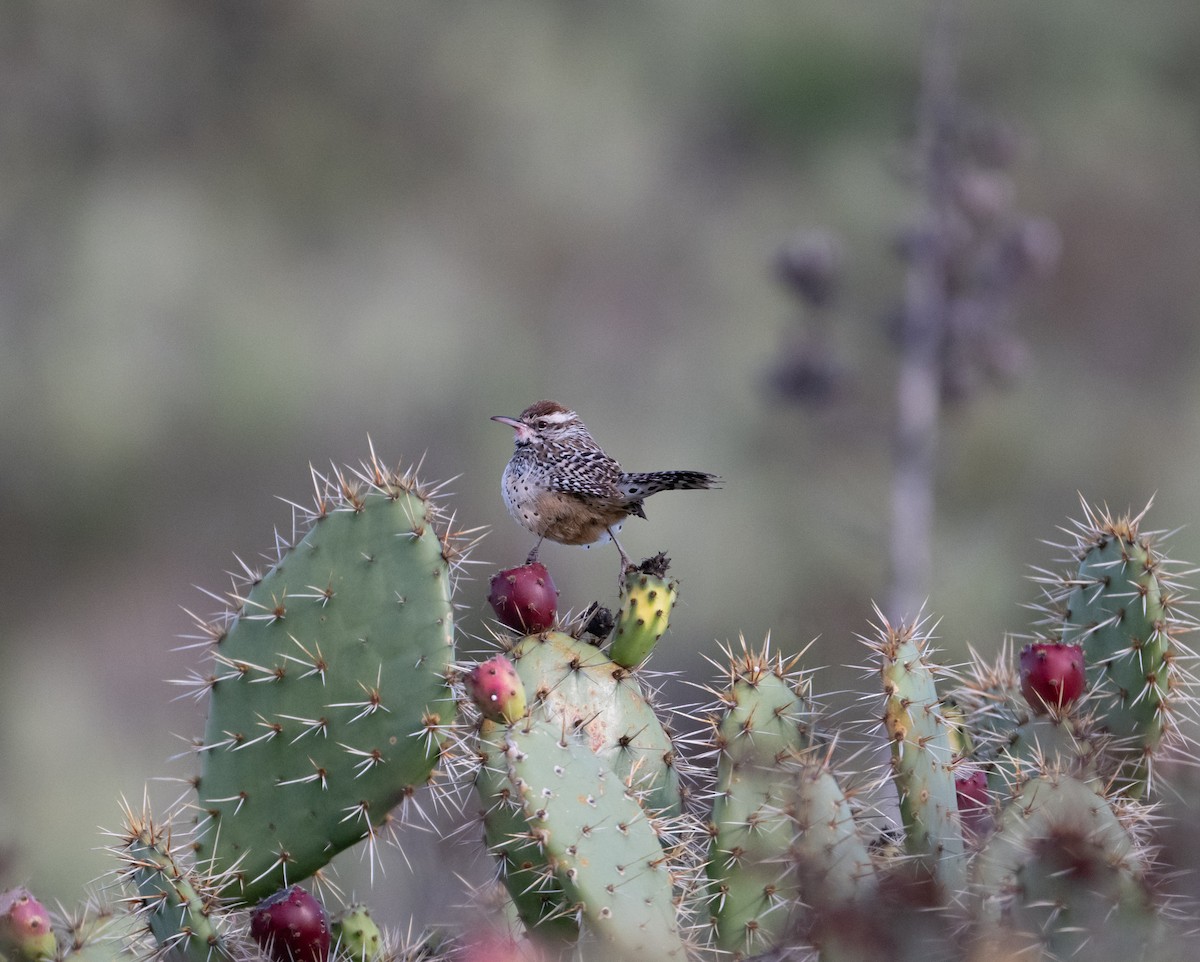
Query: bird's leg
x=625, y=562
x=533, y=554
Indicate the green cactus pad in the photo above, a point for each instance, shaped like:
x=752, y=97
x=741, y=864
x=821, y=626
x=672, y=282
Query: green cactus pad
x=1062, y=872
x=101, y=934
x=647, y=599
x=834, y=865
x=764, y=724
x=536, y=893
x=922, y=752
x=329, y=690
x=571, y=680
x=1117, y=607
x=603, y=847
x=181, y=908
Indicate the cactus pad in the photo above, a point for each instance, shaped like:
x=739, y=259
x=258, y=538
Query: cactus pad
x=573, y=681
x=328, y=689
x=922, y=751
x=594, y=833
x=1118, y=601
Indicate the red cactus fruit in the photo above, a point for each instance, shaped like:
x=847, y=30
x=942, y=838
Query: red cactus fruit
x=497, y=689
x=524, y=598
x=1052, y=675
x=291, y=926
x=25, y=926
x=974, y=802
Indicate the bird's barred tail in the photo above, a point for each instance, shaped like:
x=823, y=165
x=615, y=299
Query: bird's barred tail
x=643, y=484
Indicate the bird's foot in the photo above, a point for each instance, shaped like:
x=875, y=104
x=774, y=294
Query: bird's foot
x=534, y=553
x=626, y=564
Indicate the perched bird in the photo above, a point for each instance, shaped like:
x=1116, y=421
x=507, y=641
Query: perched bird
x=562, y=486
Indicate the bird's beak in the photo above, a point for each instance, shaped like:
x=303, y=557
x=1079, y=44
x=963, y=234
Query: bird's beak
x=522, y=429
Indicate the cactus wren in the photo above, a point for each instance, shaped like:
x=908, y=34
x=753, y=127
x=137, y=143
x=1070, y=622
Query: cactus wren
x=562, y=486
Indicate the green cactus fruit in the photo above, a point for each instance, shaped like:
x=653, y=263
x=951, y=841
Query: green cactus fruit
x=922, y=752
x=1061, y=872
x=573, y=681
x=647, y=599
x=762, y=725
x=356, y=935
x=182, y=908
x=25, y=930
x=536, y=893
x=1118, y=606
x=329, y=697
x=603, y=847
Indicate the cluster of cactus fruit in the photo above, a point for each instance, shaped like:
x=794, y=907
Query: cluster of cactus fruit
x=994, y=812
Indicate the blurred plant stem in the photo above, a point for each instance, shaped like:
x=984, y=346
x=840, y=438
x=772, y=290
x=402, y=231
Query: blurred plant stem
x=922, y=327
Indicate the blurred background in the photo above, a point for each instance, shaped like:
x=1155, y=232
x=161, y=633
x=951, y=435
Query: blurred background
x=239, y=237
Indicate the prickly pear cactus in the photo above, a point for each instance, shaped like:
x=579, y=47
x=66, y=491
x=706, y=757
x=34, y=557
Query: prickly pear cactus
x=181, y=908
x=573, y=681
x=537, y=895
x=328, y=693
x=331, y=696
x=1121, y=607
x=922, y=740
x=592, y=830
x=835, y=866
x=762, y=726
x=1061, y=870
x=836, y=877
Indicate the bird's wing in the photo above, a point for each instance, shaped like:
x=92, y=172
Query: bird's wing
x=590, y=473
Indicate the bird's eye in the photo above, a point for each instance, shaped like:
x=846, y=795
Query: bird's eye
x=540, y=423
